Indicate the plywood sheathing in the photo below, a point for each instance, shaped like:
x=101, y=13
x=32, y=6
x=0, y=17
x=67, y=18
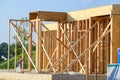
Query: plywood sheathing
x=53, y=26
x=93, y=12
x=87, y=13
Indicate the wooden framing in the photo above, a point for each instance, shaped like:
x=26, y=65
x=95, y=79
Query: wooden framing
x=30, y=46
x=38, y=42
x=115, y=37
x=23, y=40
x=15, y=63
x=8, y=65
x=48, y=16
x=84, y=44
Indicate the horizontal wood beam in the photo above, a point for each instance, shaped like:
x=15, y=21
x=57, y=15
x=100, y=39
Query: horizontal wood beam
x=48, y=16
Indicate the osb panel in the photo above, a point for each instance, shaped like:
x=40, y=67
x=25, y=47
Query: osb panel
x=92, y=12
x=98, y=11
x=52, y=26
x=86, y=14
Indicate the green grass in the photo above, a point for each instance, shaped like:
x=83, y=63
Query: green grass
x=3, y=64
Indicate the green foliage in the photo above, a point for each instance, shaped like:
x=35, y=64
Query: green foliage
x=1, y=60
x=3, y=65
x=23, y=27
x=3, y=48
x=19, y=48
x=4, y=51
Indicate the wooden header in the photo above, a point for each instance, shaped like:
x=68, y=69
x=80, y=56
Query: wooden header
x=48, y=16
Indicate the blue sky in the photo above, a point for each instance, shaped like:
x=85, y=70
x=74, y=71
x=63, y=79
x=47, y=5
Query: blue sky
x=16, y=9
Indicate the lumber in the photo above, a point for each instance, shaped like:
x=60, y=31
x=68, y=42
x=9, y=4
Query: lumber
x=86, y=14
x=15, y=62
x=18, y=29
x=25, y=49
x=98, y=48
x=55, y=37
x=65, y=41
x=95, y=43
x=47, y=56
x=8, y=64
x=77, y=48
x=19, y=20
x=30, y=46
x=115, y=38
x=38, y=45
x=84, y=44
x=101, y=50
x=82, y=37
x=69, y=45
x=23, y=25
x=51, y=57
x=48, y=15
x=83, y=53
x=73, y=49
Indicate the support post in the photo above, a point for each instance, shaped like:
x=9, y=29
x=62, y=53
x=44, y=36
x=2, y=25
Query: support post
x=90, y=53
x=68, y=62
x=115, y=37
x=38, y=45
x=87, y=75
x=22, y=47
x=86, y=41
x=8, y=66
x=58, y=45
x=15, y=62
x=30, y=46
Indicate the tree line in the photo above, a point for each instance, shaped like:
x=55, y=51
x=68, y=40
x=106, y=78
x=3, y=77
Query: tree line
x=4, y=49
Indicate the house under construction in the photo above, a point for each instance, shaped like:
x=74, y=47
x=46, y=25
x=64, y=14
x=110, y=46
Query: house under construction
x=83, y=41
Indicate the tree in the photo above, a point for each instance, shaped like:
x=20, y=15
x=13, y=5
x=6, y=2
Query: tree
x=3, y=48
